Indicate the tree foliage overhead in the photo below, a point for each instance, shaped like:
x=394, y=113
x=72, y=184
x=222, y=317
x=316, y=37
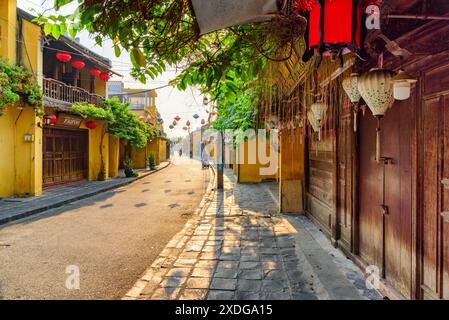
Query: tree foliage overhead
x=121, y=122
x=158, y=33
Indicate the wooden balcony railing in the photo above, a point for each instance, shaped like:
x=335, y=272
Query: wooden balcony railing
x=57, y=90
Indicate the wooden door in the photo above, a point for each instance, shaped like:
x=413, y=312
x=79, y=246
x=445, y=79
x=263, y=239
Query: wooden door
x=64, y=156
x=435, y=215
x=385, y=237
x=346, y=148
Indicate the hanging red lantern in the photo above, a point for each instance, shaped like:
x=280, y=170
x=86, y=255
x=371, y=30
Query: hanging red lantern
x=78, y=64
x=91, y=125
x=50, y=120
x=63, y=56
x=185, y=128
x=213, y=113
x=174, y=122
x=94, y=72
x=188, y=123
x=333, y=25
x=105, y=76
x=177, y=118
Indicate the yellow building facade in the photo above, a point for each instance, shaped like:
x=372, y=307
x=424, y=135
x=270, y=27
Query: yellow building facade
x=36, y=155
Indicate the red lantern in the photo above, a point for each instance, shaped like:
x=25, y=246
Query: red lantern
x=78, y=64
x=188, y=123
x=91, y=125
x=177, y=118
x=174, y=123
x=63, y=56
x=94, y=72
x=105, y=76
x=50, y=120
x=185, y=128
x=333, y=25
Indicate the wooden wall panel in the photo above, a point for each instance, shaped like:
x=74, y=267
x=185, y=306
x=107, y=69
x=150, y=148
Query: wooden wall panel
x=320, y=182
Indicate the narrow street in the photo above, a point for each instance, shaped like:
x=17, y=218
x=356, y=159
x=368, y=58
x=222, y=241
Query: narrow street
x=112, y=238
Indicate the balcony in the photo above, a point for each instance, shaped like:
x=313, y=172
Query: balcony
x=59, y=95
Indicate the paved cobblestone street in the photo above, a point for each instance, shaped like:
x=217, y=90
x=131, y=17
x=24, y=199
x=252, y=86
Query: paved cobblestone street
x=239, y=248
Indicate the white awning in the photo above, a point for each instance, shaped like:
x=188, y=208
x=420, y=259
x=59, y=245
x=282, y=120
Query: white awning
x=220, y=14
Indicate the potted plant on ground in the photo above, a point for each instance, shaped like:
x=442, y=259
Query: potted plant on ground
x=152, y=161
x=128, y=165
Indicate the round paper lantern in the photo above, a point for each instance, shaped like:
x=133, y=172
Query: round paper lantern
x=319, y=109
x=177, y=118
x=159, y=119
x=350, y=85
x=213, y=113
x=174, y=122
x=94, y=72
x=203, y=121
x=63, y=56
x=195, y=116
x=105, y=76
x=376, y=88
x=78, y=64
x=188, y=123
x=402, y=85
x=50, y=119
x=205, y=100
x=91, y=125
x=171, y=126
x=185, y=128
x=313, y=122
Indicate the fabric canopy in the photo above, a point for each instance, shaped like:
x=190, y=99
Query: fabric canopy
x=219, y=14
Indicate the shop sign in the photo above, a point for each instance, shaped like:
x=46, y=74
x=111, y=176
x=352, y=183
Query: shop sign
x=68, y=121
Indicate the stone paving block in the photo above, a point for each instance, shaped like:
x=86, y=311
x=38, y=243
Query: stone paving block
x=158, y=262
x=202, y=272
x=275, y=275
x=226, y=273
x=250, y=265
x=250, y=257
x=247, y=295
x=173, y=282
x=178, y=272
x=193, y=294
x=165, y=294
x=276, y=296
x=249, y=285
x=185, y=262
x=229, y=257
x=227, y=265
x=223, y=284
x=212, y=248
x=255, y=274
x=220, y=295
x=210, y=255
x=206, y=264
x=198, y=283
x=274, y=285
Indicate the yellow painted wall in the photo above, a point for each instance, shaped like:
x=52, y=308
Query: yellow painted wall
x=94, y=150
x=250, y=173
x=162, y=150
x=114, y=147
x=153, y=147
x=138, y=157
x=8, y=24
x=21, y=162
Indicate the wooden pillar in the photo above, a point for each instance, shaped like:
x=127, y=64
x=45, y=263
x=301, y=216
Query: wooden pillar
x=291, y=176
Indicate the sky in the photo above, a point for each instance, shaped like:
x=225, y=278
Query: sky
x=170, y=101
